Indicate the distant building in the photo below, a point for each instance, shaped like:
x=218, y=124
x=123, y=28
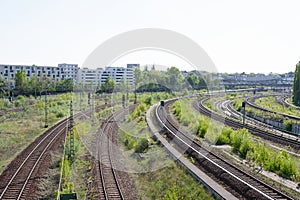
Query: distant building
x=117, y=73
x=89, y=76
x=60, y=72
x=99, y=75
x=69, y=71
x=131, y=66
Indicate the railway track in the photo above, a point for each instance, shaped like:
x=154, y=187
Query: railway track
x=241, y=182
x=284, y=101
x=17, y=185
x=250, y=102
x=20, y=176
x=111, y=181
x=294, y=143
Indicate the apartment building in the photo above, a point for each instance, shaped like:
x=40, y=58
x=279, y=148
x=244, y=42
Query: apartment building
x=99, y=75
x=89, y=76
x=64, y=71
x=60, y=72
x=117, y=73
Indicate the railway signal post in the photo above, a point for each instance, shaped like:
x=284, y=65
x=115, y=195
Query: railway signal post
x=244, y=112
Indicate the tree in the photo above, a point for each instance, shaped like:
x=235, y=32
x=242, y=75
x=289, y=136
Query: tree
x=296, y=86
x=108, y=86
x=33, y=84
x=138, y=76
x=174, y=78
x=20, y=81
x=3, y=85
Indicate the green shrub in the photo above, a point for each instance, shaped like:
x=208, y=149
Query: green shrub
x=202, y=127
x=141, y=146
x=20, y=97
x=246, y=145
x=60, y=114
x=224, y=138
x=18, y=103
x=148, y=101
x=287, y=125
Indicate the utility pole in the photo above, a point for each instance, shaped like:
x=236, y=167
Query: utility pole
x=123, y=100
x=46, y=110
x=92, y=107
x=71, y=155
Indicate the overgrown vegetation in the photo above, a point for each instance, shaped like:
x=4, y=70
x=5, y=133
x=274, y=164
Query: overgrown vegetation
x=279, y=162
x=19, y=129
x=168, y=183
x=271, y=103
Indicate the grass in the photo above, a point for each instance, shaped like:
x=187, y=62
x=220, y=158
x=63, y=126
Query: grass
x=18, y=130
x=154, y=174
x=271, y=104
x=168, y=183
x=279, y=162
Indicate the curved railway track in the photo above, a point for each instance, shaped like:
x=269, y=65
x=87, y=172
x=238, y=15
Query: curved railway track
x=112, y=182
x=20, y=176
x=294, y=143
x=246, y=185
x=250, y=101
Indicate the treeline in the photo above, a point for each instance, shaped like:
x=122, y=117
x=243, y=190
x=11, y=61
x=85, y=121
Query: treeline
x=173, y=80
x=34, y=86
x=153, y=80
x=145, y=81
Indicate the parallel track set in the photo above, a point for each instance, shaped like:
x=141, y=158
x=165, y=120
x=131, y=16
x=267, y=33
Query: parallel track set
x=238, y=180
x=19, y=178
x=250, y=102
x=252, y=129
x=113, y=183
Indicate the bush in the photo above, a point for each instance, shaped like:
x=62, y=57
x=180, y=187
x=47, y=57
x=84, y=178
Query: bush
x=20, y=97
x=236, y=139
x=246, y=145
x=148, y=101
x=129, y=142
x=60, y=114
x=224, y=138
x=18, y=103
x=288, y=125
x=141, y=146
x=202, y=127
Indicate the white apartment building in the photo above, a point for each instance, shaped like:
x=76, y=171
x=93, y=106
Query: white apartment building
x=117, y=73
x=99, y=75
x=65, y=71
x=89, y=76
x=61, y=72
x=69, y=71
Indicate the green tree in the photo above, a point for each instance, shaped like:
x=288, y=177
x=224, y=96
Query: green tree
x=174, y=78
x=108, y=86
x=138, y=76
x=33, y=84
x=20, y=81
x=296, y=86
x=3, y=85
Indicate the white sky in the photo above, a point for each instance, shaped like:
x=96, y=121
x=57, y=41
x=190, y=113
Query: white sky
x=239, y=36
